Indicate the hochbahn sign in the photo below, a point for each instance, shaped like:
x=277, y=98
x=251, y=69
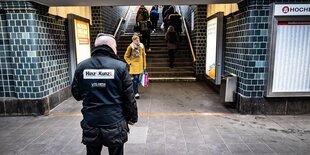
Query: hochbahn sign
x=292, y=10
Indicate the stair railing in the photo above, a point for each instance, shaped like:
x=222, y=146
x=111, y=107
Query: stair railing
x=188, y=36
x=121, y=21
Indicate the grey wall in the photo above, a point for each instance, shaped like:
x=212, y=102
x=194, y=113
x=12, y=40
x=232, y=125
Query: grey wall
x=186, y=11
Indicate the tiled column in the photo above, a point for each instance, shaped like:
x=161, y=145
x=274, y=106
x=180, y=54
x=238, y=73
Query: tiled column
x=199, y=38
x=246, y=55
x=35, y=56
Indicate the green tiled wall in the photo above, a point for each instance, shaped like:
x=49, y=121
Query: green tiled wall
x=33, y=47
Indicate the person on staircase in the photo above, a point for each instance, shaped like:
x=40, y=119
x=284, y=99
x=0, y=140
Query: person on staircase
x=135, y=57
x=175, y=20
x=172, y=40
x=165, y=8
x=167, y=13
x=145, y=30
x=142, y=14
x=154, y=16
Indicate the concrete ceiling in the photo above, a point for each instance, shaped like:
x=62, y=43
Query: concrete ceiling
x=127, y=2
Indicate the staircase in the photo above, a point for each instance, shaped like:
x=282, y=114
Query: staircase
x=158, y=58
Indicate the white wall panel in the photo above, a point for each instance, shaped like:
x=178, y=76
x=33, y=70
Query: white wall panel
x=292, y=59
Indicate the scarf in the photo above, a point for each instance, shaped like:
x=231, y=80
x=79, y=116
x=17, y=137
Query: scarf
x=136, y=49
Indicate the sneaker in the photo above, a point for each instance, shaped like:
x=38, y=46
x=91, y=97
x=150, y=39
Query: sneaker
x=137, y=96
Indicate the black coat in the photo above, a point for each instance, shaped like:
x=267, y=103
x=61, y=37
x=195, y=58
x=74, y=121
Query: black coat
x=176, y=22
x=105, y=86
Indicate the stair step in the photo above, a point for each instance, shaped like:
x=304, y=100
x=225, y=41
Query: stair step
x=165, y=56
x=172, y=74
x=168, y=69
x=159, y=60
x=154, y=48
x=159, y=52
x=154, y=44
x=166, y=64
x=172, y=79
x=167, y=59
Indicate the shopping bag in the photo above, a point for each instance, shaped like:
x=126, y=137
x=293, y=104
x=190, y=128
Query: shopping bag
x=162, y=26
x=144, y=79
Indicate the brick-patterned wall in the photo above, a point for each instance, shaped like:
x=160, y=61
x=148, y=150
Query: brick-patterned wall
x=105, y=19
x=34, y=51
x=52, y=50
x=199, y=37
x=246, y=48
x=34, y=56
x=246, y=53
x=34, y=59
x=7, y=83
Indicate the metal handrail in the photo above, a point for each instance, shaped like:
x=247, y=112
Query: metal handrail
x=189, y=40
x=120, y=22
x=188, y=37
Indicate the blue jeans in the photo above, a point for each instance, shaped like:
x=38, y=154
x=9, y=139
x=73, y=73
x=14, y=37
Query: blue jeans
x=136, y=83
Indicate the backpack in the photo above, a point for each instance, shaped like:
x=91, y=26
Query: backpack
x=143, y=26
x=145, y=14
x=173, y=37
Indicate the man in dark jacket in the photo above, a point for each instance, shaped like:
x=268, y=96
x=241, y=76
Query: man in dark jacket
x=145, y=30
x=105, y=86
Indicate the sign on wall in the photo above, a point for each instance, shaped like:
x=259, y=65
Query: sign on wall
x=292, y=10
x=214, y=48
x=289, y=56
x=292, y=57
x=211, y=48
x=82, y=40
x=79, y=41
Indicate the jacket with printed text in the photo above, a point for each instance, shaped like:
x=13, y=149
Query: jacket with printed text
x=105, y=86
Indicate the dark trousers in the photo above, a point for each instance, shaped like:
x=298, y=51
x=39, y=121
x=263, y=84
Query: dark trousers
x=96, y=150
x=154, y=24
x=146, y=37
x=136, y=83
x=171, y=57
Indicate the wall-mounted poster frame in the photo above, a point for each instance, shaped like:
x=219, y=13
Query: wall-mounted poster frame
x=288, y=71
x=214, y=48
x=79, y=41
